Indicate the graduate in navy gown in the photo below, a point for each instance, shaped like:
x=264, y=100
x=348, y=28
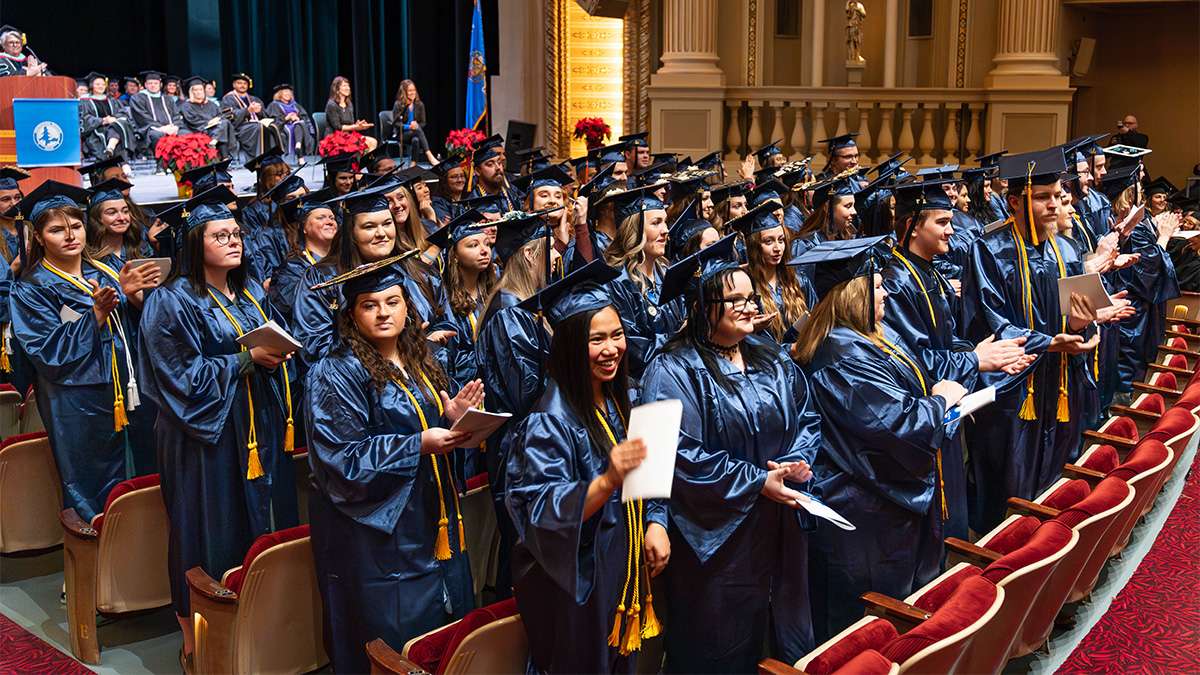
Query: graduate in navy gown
x=225, y=425
x=367, y=234
x=749, y=433
x=785, y=293
x=387, y=533
x=316, y=227
x=15, y=368
x=729, y=202
x=511, y=352
x=882, y=432
x=639, y=252
x=832, y=217
x=1151, y=281
x=1010, y=290
x=601, y=221
x=451, y=186
x=115, y=237
x=967, y=228
x=269, y=245
x=467, y=283
x=269, y=168
x=584, y=560
x=688, y=234
x=922, y=309
x=70, y=315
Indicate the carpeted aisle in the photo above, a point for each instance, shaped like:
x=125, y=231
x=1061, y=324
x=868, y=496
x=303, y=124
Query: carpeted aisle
x=1153, y=625
x=23, y=652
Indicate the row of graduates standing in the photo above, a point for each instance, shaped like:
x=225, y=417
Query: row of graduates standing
x=111, y=127
x=864, y=413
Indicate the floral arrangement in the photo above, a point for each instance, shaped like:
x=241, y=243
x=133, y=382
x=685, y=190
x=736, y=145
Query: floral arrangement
x=460, y=143
x=593, y=131
x=341, y=142
x=182, y=152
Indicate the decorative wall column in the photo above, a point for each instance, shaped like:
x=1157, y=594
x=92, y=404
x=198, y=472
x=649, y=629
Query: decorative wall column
x=1029, y=97
x=816, y=37
x=891, y=40
x=687, y=92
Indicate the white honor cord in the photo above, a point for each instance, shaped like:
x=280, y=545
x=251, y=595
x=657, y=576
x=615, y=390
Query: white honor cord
x=132, y=400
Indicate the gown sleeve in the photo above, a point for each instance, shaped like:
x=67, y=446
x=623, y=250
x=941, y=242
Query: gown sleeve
x=984, y=303
x=312, y=318
x=545, y=497
x=509, y=345
x=63, y=351
x=1152, y=278
x=187, y=384
x=368, y=475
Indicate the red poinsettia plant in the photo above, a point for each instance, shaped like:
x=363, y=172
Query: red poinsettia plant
x=341, y=142
x=182, y=152
x=460, y=143
x=593, y=131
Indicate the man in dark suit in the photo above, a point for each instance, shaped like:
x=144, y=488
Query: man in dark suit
x=1128, y=134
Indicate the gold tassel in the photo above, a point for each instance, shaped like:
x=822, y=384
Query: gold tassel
x=942, y=487
x=289, y=437
x=651, y=627
x=120, y=419
x=633, y=631
x=254, y=467
x=1027, y=410
x=462, y=536
x=5, y=363
x=614, y=637
x=1064, y=406
x=441, y=550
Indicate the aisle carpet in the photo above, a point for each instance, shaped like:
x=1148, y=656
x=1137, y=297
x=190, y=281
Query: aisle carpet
x=1153, y=625
x=23, y=652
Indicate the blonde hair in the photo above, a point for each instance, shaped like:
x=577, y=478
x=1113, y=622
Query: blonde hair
x=844, y=305
x=1124, y=202
x=794, y=303
x=626, y=250
x=523, y=277
x=412, y=234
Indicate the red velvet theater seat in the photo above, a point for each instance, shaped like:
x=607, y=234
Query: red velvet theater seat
x=868, y=633
x=1175, y=430
x=1099, y=458
x=939, y=643
x=1163, y=384
x=265, y=614
x=1119, y=432
x=487, y=640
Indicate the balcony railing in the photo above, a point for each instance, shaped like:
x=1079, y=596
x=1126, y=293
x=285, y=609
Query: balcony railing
x=934, y=126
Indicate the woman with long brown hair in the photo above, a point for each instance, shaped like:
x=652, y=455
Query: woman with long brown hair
x=833, y=214
x=786, y=293
x=387, y=532
x=408, y=119
x=882, y=424
x=339, y=112
x=468, y=281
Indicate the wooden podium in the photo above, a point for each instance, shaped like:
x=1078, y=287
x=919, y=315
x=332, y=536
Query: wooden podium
x=19, y=86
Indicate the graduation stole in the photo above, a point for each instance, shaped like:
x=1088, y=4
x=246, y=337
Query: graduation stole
x=1028, y=410
x=898, y=354
x=920, y=284
x=254, y=468
x=120, y=418
x=1091, y=245
x=312, y=259
x=441, y=548
x=638, y=625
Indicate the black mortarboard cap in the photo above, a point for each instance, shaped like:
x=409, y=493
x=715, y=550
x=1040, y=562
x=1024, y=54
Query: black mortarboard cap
x=686, y=277
x=93, y=170
x=1160, y=185
x=340, y=163
x=601, y=180
x=148, y=75
x=289, y=184
x=11, y=176
x=281, y=86
x=465, y=224
x=1043, y=167
x=771, y=189
x=634, y=140
x=242, y=76
x=1118, y=179
x=836, y=262
x=552, y=174
x=839, y=142
x=722, y=192
x=835, y=187
x=607, y=154
x=368, y=200
x=991, y=159
x=267, y=158
x=487, y=149
x=204, y=177
x=516, y=229
x=583, y=290
x=767, y=150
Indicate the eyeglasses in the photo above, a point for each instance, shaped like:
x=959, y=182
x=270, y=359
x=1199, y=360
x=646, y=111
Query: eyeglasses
x=741, y=305
x=223, y=238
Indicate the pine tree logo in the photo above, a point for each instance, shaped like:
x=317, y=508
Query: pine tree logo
x=48, y=136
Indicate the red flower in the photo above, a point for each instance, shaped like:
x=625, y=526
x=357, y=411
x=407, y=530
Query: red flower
x=460, y=143
x=593, y=130
x=185, y=151
x=340, y=142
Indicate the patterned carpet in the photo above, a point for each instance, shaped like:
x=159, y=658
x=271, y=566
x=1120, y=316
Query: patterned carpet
x=23, y=652
x=1153, y=625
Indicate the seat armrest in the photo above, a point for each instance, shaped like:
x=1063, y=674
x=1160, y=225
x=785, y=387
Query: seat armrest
x=199, y=581
x=900, y=614
x=1075, y=471
x=965, y=550
x=1117, y=442
x=1025, y=507
x=386, y=661
x=75, y=526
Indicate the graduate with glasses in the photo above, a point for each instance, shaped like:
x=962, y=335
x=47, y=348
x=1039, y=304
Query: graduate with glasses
x=387, y=532
x=749, y=433
x=226, y=426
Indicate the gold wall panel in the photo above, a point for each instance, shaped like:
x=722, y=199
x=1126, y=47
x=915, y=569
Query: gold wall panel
x=594, y=50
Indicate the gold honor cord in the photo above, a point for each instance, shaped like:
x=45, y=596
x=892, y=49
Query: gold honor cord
x=638, y=625
x=1091, y=247
x=120, y=418
x=312, y=260
x=921, y=284
x=898, y=354
x=254, y=468
x=441, y=547
x=1028, y=409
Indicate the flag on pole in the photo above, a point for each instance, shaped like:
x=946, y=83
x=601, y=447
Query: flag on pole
x=476, y=74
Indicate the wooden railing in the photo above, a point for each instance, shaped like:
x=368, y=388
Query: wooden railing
x=933, y=126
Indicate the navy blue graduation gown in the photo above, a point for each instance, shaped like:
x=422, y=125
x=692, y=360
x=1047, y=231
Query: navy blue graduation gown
x=459, y=359
x=375, y=513
x=600, y=244
x=925, y=321
x=1011, y=457
x=511, y=352
x=737, y=558
x=21, y=374
x=568, y=573
x=1151, y=282
x=881, y=433
x=284, y=287
x=1096, y=209
x=810, y=298
x=190, y=366
x=999, y=206
x=966, y=230
x=647, y=326
x=73, y=363
x=268, y=250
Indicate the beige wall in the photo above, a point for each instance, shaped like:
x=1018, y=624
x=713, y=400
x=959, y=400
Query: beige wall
x=519, y=94
x=1146, y=63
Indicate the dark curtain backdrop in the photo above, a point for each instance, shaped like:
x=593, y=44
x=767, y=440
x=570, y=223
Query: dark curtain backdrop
x=376, y=43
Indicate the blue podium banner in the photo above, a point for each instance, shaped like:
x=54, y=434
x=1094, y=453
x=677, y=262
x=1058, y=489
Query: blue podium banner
x=47, y=131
